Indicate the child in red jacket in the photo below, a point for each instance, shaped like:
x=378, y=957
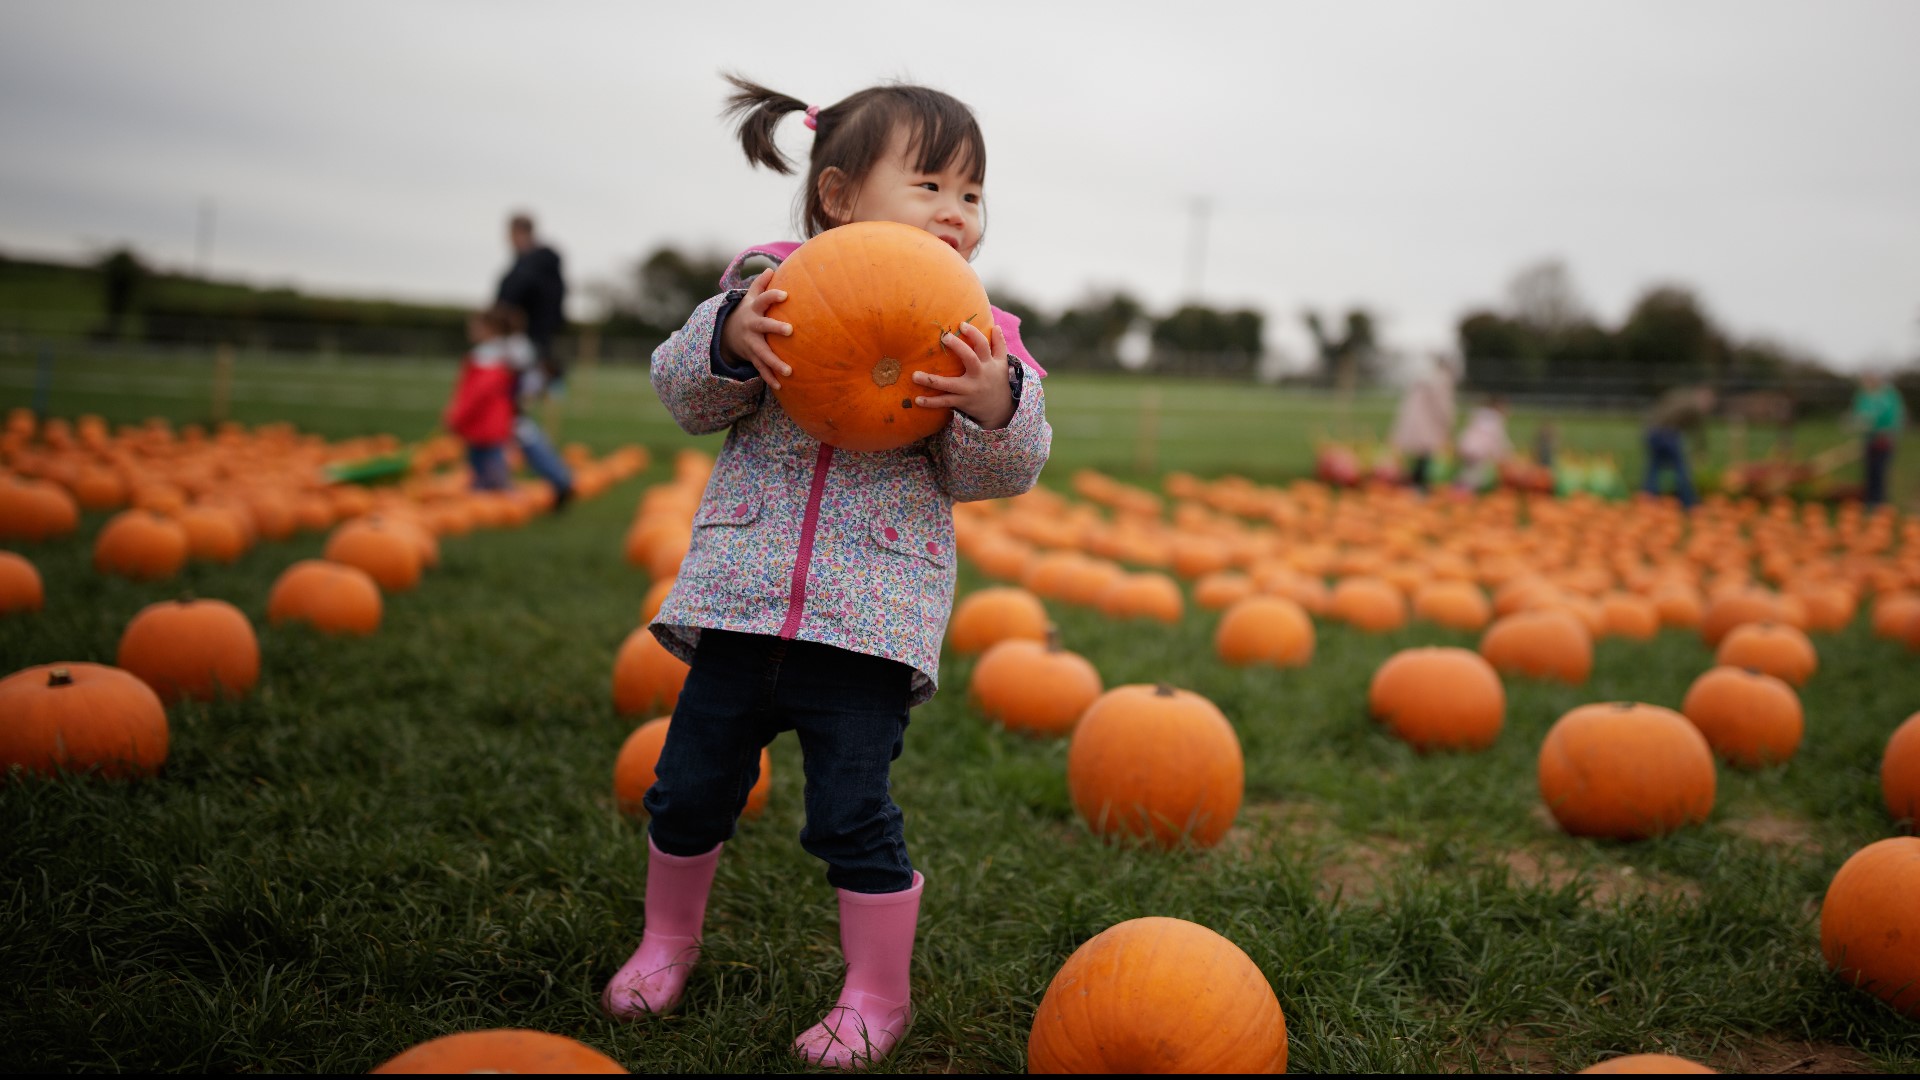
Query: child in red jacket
x=482, y=410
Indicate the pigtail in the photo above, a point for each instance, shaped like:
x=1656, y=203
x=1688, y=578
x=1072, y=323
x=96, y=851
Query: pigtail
x=756, y=111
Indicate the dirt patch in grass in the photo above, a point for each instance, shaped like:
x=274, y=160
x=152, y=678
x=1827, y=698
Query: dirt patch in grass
x=1770, y=1056
x=1608, y=884
x=1261, y=824
x=1775, y=831
x=1359, y=871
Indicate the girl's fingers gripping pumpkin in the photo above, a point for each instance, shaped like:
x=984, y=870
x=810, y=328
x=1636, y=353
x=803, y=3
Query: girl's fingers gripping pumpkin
x=745, y=335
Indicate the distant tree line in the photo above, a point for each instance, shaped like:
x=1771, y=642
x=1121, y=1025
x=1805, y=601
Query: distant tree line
x=1545, y=335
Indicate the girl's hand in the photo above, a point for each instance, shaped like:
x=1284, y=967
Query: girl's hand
x=981, y=389
x=745, y=335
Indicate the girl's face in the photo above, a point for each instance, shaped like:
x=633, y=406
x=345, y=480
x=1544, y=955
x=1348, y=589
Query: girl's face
x=945, y=203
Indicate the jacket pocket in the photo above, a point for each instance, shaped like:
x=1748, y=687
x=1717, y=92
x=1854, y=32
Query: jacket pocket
x=914, y=543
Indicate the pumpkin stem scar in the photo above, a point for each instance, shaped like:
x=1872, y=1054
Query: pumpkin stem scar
x=886, y=372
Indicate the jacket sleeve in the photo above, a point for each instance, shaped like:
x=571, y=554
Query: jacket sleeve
x=685, y=375
x=971, y=463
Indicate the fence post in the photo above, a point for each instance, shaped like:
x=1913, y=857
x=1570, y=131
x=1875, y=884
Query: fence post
x=222, y=381
x=1146, y=446
x=42, y=381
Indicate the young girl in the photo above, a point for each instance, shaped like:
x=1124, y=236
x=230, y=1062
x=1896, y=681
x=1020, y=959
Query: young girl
x=1483, y=444
x=818, y=585
x=482, y=410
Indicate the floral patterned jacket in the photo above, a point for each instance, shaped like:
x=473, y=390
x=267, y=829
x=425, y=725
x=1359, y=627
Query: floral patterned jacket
x=797, y=539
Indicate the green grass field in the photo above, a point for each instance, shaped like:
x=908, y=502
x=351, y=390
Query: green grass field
x=403, y=836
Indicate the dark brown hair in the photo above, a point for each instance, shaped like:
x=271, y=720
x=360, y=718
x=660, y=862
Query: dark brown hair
x=850, y=135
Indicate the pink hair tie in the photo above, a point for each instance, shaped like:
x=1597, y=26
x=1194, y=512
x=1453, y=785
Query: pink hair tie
x=813, y=118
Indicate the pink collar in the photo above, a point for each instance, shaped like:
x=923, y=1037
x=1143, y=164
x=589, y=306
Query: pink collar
x=1009, y=324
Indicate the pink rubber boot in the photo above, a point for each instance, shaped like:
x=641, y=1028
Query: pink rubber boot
x=653, y=979
x=876, y=935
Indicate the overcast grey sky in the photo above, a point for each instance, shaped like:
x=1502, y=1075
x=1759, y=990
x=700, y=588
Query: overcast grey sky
x=1406, y=155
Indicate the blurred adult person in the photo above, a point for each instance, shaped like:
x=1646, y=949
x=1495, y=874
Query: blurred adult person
x=1423, y=423
x=1878, y=413
x=1679, y=416
x=535, y=285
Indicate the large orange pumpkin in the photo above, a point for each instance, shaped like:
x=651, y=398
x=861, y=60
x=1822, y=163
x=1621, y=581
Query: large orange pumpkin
x=505, y=1050
x=20, y=586
x=81, y=716
x=142, y=545
x=1265, y=630
x=993, y=615
x=191, y=649
x=1626, y=770
x=331, y=597
x=646, y=677
x=869, y=304
x=1870, y=922
x=1158, y=995
x=1892, y=612
x=1750, y=718
x=1900, y=773
x=1156, y=763
x=1032, y=687
x=1775, y=648
x=1733, y=608
x=389, y=555
x=1543, y=644
x=633, y=770
x=1439, y=699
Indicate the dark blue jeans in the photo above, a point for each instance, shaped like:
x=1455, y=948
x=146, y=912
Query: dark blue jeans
x=1879, y=455
x=1666, y=451
x=542, y=458
x=489, y=465
x=850, y=712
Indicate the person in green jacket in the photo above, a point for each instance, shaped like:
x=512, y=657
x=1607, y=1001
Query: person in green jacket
x=1879, y=413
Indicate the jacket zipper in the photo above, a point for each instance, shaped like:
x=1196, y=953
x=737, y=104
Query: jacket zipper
x=797, y=592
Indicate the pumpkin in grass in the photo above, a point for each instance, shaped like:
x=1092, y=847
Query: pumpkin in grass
x=190, y=648
x=213, y=533
x=1549, y=644
x=142, y=545
x=1222, y=589
x=987, y=617
x=1032, y=687
x=1775, y=648
x=1265, y=630
x=1158, y=995
x=1368, y=603
x=646, y=677
x=389, y=554
x=81, y=716
x=1439, y=699
x=1626, y=770
x=332, y=597
x=869, y=304
x=1625, y=615
x=1900, y=773
x=1893, y=612
x=656, y=596
x=633, y=771
x=36, y=510
x=1870, y=922
x=1733, y=608
x=1750, y=718
x=503, y=1050
x=1156, y=763
x=1457, y=605
x=1654, y=1064
x=1679, y=606
x=20, y=586
x=1147, y=595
